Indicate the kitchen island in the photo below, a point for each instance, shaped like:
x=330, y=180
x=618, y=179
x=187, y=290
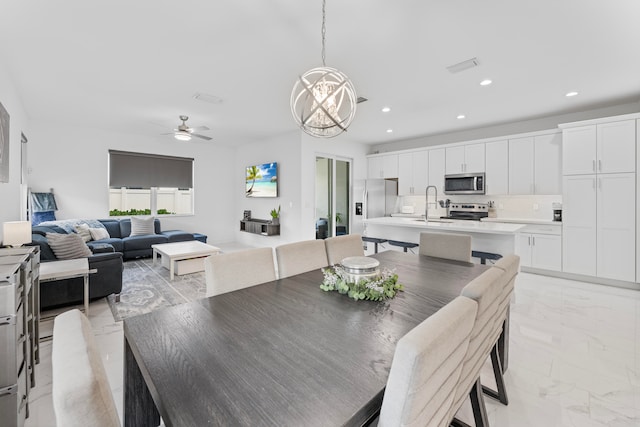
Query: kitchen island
x=492, y=237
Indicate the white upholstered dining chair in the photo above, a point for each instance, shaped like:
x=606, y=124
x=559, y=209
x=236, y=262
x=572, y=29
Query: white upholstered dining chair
x=237, y=270
x=446, y=245
x=341, y=247
x=80, y=388
x=485, y=290
x=300, y=257
x=426, y=367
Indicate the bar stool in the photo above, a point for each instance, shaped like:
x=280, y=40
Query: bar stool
x=484, y=256
x=375, y=241
x=404, y=245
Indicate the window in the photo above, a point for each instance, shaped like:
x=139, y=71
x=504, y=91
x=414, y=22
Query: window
x=149, y=184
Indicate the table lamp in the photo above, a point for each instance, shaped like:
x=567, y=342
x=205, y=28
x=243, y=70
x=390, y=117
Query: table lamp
x=16, y=233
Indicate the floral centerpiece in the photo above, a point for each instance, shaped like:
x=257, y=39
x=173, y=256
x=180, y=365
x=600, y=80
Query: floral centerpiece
x=378, y=288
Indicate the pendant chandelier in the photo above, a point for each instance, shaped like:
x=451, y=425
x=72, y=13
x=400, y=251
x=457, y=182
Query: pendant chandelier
x=323, y=100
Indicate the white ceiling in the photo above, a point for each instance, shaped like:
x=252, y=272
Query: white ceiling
x=134, y=66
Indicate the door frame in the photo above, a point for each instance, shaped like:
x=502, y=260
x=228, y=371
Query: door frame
x=335, y=158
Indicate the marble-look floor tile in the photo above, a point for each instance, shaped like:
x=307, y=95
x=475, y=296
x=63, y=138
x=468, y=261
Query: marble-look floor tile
x=574, y=356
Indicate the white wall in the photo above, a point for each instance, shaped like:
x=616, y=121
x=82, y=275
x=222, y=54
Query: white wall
x=10, y=192
x=73, y=161
x=543, y=123
x=296, y=154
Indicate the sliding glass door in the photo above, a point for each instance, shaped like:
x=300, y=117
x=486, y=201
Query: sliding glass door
x=333, y=181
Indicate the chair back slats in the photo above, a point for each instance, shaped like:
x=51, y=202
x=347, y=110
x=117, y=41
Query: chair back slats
x=426, y=368
x=300, y=257
x=237, y=270
x=341, y=247
x=446, y=245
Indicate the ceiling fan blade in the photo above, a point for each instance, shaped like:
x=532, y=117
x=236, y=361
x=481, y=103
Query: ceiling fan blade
x=168, y=133
x=202, y=137
x=199, y=128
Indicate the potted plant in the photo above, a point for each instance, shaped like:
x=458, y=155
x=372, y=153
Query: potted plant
x=275, y=216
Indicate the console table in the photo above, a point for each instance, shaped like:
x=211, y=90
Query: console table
x=260, y=226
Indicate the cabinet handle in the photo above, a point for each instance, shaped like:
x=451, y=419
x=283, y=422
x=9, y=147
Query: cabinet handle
x=600, y=165
x=529, y=241
x=533, y=240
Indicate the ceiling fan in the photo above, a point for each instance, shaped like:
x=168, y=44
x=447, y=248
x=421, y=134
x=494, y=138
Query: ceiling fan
x=184, y=132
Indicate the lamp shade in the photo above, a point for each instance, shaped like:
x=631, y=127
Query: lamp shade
x=16, y=233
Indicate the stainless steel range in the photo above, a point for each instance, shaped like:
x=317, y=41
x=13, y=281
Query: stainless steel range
x=468, y=211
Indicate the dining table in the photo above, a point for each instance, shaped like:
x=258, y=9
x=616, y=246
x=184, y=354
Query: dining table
x=282, y=353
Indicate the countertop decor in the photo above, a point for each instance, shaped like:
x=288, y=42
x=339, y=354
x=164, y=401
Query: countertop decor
x=378, y=288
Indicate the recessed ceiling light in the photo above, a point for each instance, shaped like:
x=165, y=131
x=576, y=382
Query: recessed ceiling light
x=389, y=130
x=461, y=116
x=386, y=109
x=570, y=94
x=485, y=82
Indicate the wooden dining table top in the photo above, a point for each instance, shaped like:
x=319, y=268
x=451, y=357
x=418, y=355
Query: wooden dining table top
x=285, y=353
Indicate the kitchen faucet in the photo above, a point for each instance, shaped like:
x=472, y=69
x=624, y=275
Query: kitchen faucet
x=426, y=204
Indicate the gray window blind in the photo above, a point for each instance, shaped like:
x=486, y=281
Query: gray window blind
x=140, y=170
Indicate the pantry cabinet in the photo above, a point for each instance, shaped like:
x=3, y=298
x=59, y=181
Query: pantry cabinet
x=412, y=172
x=465, y=159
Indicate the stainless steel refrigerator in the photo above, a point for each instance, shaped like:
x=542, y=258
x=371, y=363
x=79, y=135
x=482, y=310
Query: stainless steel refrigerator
x=372, y=198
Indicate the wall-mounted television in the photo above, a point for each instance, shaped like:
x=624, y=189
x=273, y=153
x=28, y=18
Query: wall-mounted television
x=262, y=180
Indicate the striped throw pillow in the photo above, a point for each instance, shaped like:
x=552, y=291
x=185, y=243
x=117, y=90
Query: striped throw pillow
x=68, y=246
x=83, y=231
x=142, y=226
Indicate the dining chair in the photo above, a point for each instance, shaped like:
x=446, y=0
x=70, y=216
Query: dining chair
x=80, y=388
x=300, y=257
x=426, y=368
x=341, y=247
x=499, y=353
x=446, y=245
x=485, y=290
x=237, y=270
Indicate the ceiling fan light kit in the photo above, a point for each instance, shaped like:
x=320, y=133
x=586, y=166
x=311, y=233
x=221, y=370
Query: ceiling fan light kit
x=323, y=100
x=185, y=132
x=182, y=135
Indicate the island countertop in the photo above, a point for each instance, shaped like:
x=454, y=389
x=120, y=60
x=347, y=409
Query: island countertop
x=448, y=225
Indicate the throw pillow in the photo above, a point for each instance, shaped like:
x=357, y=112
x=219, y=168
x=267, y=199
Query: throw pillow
x=68, y=246
x=142, y=226
x=99, y=233
x=83, y=231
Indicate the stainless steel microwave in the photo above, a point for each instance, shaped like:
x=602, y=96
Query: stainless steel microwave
x=464, y=183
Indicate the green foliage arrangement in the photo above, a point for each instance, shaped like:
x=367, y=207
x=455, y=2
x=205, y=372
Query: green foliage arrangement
x=383, y=287
x=275, y=213
x=131, y=212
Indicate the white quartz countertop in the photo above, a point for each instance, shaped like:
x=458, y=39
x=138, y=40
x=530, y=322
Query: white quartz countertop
x=523, y=221
x=448, y=225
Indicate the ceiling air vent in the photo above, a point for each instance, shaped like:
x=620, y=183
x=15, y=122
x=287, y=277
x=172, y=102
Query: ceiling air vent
x=464, y=65
x=211, y=99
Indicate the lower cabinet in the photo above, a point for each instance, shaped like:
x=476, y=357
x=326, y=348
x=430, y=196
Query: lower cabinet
x=540, y=246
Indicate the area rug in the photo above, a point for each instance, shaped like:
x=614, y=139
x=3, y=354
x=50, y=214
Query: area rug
x=146, y=288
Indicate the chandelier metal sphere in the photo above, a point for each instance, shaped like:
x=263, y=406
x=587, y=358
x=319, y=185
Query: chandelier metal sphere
x=323, y=102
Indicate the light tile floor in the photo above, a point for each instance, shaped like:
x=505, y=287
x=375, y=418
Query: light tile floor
x=574, y=358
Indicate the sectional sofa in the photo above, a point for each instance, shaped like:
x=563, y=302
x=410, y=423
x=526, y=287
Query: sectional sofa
x=107, y=256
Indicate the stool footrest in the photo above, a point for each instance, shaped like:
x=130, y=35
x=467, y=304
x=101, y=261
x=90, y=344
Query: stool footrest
x=484, y=256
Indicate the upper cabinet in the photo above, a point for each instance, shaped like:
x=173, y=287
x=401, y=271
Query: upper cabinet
x=535, y=164
x=465, y=159
x=436, y=168
x=385, y=166
x=497, y=167
x=412, y=173
x=602, y=148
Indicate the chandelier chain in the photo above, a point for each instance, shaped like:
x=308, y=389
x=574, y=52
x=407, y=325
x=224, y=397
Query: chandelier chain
x=324, y=32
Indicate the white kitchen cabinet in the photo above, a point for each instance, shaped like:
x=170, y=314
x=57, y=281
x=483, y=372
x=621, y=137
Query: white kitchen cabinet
x=436, y=168
x=465, y=159
x=601, y=148
x=535, y=165
x=547, y=164
x=385, y=166
x=412, y=172
x=521, y=166
x=616, y=226
x=540, y=247
x=599, y=233
x=579, y=223
x=497, y=167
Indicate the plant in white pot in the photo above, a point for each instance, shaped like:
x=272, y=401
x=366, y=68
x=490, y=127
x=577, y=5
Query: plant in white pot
x=275, y=216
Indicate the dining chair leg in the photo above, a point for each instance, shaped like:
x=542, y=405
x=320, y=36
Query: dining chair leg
x=477, y=404
x=501, y=394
